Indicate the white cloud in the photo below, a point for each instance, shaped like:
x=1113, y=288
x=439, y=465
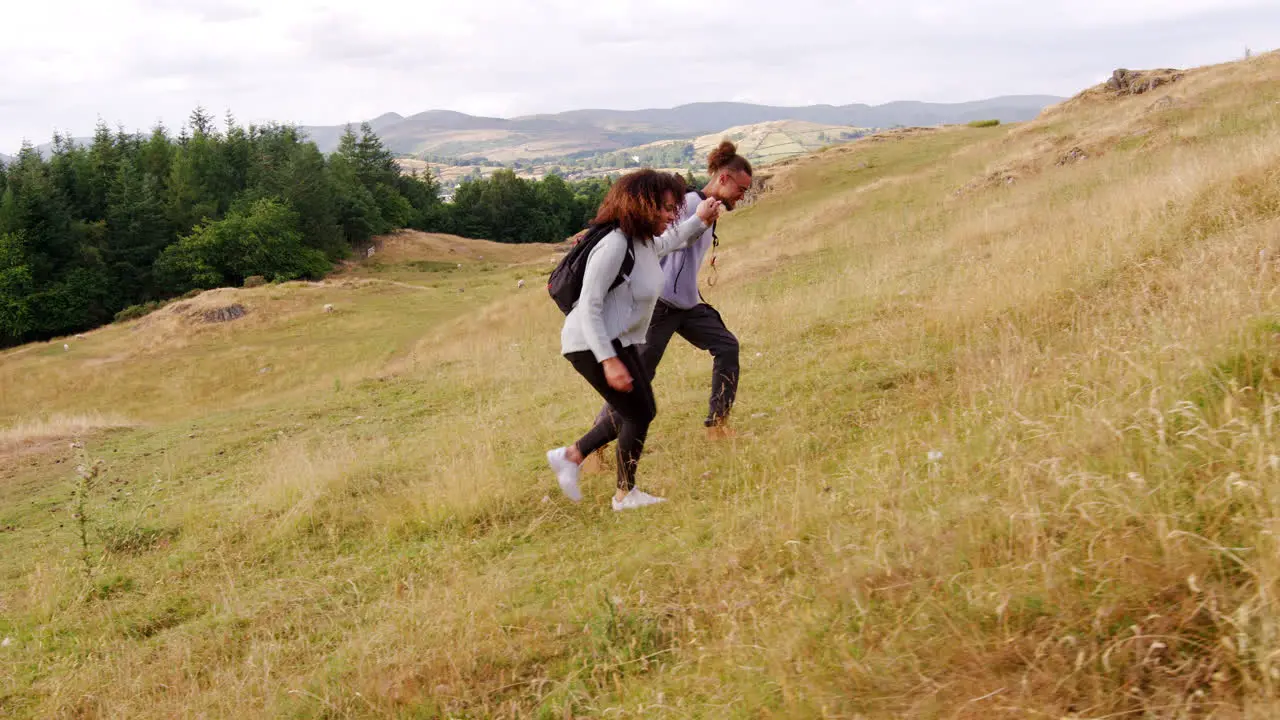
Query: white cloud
x=135, y=62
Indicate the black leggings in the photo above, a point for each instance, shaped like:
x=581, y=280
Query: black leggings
x=703, y=327
x=633, y=410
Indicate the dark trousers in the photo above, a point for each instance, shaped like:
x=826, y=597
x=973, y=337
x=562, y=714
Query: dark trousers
x=703, y=327
x=632, y=411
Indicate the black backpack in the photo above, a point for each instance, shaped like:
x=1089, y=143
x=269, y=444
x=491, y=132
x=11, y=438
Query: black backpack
x=565, y=283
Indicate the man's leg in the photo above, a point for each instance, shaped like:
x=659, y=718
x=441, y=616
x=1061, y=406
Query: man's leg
x=703, y=327
x=666, y=320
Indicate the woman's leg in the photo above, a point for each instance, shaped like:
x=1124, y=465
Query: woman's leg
x=630, y=415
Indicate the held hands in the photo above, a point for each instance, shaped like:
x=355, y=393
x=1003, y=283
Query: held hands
x=616, y=374
x=709, y=210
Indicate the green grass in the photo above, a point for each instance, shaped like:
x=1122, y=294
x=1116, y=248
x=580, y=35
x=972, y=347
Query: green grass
x=1003, y=453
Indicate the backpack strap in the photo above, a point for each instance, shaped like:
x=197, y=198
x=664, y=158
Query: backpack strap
x=628, y=264
x=596, y=233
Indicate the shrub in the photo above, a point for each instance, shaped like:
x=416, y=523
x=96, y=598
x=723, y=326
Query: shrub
x=133, y=312
x=262, y=240
x=984, y=123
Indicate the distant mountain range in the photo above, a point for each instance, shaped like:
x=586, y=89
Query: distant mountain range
x=698, y=118
x=576, y=133
x=458, y=135
x=4, y=158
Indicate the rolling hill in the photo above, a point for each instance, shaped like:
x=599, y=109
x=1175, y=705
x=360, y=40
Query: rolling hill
x=1006, y=447
x=767, y=142
x=761, y=143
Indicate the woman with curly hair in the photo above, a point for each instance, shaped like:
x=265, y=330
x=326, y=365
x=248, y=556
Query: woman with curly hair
x=602, y=332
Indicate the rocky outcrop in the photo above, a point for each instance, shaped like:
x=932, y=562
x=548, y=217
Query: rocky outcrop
x=223, y=314
x=1135, y=82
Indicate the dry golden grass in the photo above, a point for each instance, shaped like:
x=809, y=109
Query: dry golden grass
x=412, y=245
x=1007, y=453
x=42, y=430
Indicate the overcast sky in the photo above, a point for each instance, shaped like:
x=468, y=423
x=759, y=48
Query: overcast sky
x=134, y=62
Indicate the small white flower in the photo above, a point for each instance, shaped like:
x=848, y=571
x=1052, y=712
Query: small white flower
x=6, y=642
x=935, y=455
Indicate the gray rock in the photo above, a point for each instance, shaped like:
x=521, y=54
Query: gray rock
x=224, y=314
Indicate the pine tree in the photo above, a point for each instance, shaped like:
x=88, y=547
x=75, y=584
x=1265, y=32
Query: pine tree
x=70, y=171
x=104, y=163
x=62, y=269
x=194, y=178
x=295, y=172
x=201, y=122
x=358, y=211
x=423, y=193
x=16, y=286
x=137, y=231
x=155, y=156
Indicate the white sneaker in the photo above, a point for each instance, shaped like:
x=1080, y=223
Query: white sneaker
x=566, y=473
x=635, y=499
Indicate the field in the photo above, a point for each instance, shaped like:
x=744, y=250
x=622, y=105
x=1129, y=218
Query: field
x=1007, y=446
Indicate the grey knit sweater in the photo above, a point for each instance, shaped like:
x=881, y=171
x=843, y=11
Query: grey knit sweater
x=603, y=315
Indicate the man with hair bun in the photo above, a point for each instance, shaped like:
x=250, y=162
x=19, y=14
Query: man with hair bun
x=681, y=309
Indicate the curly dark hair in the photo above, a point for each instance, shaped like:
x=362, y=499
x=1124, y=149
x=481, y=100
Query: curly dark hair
x=726, y=157
x=635, y=202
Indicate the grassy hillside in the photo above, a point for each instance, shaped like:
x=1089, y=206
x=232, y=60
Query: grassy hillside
x=764, y=143
x=1006, y=448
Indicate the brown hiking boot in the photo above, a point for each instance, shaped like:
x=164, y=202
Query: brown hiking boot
x=720, y=431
